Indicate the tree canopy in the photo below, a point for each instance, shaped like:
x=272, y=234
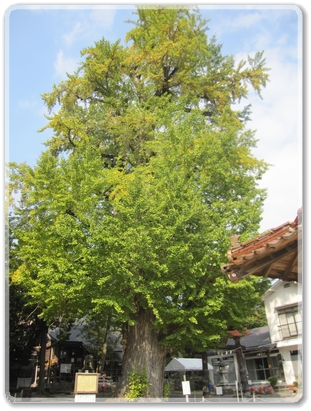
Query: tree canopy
x=148, y=174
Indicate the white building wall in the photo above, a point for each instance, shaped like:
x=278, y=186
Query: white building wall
x=276, y=297
x=288, y=368
x=279, y=296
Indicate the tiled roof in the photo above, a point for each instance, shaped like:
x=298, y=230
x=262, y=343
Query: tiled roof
x=274, y=254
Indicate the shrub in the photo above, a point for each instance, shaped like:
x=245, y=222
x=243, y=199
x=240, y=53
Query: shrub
x=273, y=381
x=138, y=385
x=166, y=390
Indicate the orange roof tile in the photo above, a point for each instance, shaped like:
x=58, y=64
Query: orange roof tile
x=273, y=254
x=236, y=333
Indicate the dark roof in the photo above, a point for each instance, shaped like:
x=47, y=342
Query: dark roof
x=75, y=335
x=258, y=338
x=274, y=254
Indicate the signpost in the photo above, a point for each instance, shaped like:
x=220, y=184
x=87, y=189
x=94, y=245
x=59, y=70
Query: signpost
x=186, y=388
x=86, y=387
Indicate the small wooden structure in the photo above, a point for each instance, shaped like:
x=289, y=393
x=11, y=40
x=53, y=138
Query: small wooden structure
x=276, y=254
x=178, y=368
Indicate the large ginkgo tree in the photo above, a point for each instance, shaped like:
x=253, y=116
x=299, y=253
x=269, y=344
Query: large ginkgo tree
x=150, y=171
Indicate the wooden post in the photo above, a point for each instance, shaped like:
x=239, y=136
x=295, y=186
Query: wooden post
x=237, y=390
x=269, y=363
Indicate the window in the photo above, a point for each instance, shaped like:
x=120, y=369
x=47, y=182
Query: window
x=290, y=321
x=258, y=367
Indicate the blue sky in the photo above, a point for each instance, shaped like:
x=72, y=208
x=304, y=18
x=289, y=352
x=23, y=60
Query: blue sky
x=42, y=43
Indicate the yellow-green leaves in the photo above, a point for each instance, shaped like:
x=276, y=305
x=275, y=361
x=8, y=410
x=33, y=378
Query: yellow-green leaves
x=147, y=175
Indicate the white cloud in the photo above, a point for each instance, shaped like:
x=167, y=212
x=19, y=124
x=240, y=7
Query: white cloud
x=91, y=25
x=64, y=65
x=244, y=21
x=278, y=121
x=72, y=35
x=103, y=18
x=26, y=104
x=228, y=23
x=284, y=188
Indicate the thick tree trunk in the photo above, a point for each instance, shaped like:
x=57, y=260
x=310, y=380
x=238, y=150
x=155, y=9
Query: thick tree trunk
x=143, y=353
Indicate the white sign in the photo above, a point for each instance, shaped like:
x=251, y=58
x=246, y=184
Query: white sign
x=85, y=398
x=186, y=387
x=219, y=390
x=65, y=368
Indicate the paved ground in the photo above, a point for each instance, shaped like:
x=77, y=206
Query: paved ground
x=282, y=397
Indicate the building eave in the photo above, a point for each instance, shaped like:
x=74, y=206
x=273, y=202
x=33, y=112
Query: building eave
x=275, y=254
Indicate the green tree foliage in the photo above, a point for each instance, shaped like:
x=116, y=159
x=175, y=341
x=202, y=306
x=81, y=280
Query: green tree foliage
x=148, y=174
x=257, y=317
x=24, y=326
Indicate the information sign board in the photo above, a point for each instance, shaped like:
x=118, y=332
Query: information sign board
x=86, y=383
x=186, y=387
